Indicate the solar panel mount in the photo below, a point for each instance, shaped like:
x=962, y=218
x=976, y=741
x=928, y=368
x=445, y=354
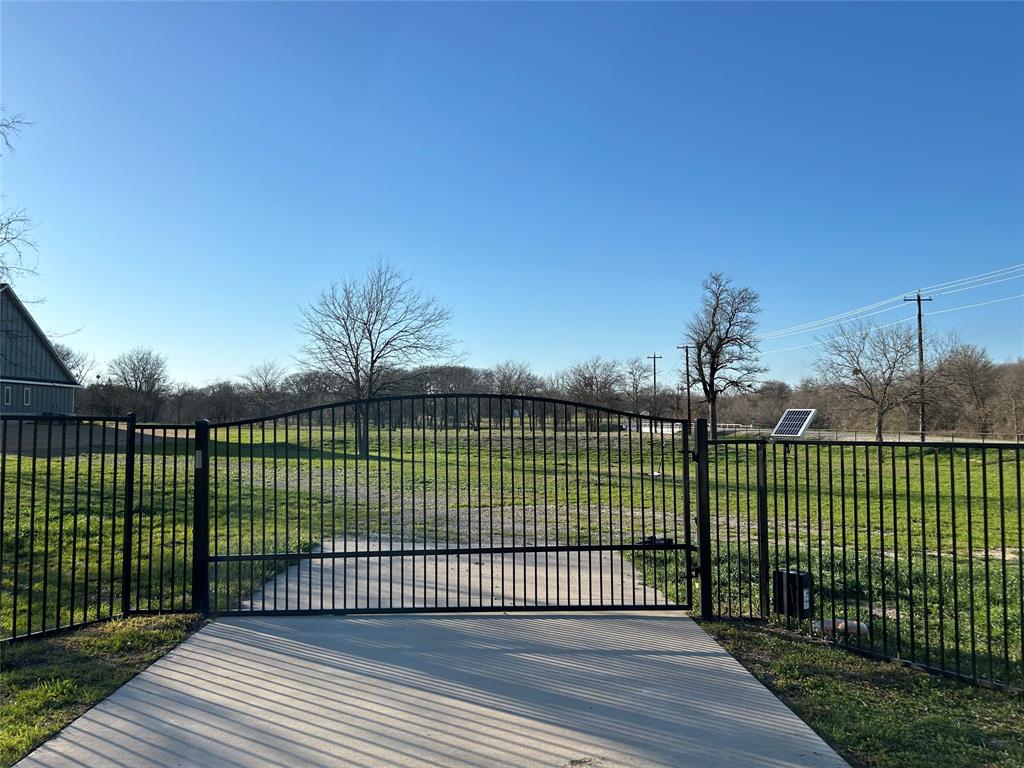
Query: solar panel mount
x=794, y=422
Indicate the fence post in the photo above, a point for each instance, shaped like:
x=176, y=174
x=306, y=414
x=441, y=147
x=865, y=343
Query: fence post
x=704, y=519
x=201, y=521
x=129, y=518
x=762, y=526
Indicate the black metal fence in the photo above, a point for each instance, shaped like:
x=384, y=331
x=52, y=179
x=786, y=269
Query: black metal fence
x=487, y=502
x=161, y=521
x=431, y=502
x=63, y=493
x=913, y=550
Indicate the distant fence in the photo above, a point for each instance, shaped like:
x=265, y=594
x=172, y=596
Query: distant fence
x=751, y=431
x=913, y=551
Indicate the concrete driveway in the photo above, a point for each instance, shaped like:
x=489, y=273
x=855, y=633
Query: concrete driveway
x=572, y=689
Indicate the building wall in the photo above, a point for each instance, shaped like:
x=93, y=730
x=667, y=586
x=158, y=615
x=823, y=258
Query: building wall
x=42, y=399
x=23, y=354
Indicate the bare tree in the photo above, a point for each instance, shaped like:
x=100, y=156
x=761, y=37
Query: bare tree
x=969, y=370
x=264, y=384
x=1011, y=395
x=637, y=376
x=512, y=377
x=371, y=332
x=723, y=336
x=142, y=376
x=596, y=381
x=15, y=225
x=308, y=388
x=875, y=365
x=447, y=379
x=79, y=363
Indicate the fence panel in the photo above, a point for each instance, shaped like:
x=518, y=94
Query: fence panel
x=914, y=549
x=62, y=496
x=161, y=525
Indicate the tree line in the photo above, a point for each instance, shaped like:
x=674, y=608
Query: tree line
x=377, y=335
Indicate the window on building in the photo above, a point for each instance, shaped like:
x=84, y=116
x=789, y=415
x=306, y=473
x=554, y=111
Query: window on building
x=7, y=395
x=28, y=396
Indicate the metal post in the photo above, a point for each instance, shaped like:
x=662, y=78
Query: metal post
x=920, y=359
x=654, y=405
x=704, y=519
x=762, y=526
x=689, y=385
x=201, y=523
x=129, y=515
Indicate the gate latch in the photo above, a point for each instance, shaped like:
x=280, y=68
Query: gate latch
x=655, y=542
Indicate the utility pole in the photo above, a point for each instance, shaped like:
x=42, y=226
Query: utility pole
x=654, y=359
x=689, y=407
x=920, y=356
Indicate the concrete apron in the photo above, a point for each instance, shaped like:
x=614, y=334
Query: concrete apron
x=553, y=689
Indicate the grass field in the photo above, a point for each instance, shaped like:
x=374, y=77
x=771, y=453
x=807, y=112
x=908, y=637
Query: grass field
x=920, y=544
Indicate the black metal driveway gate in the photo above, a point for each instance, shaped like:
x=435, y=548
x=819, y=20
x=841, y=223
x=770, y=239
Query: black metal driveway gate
x=440, y=503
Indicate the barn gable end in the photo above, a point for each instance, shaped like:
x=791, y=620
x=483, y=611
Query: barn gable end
x=33, y=378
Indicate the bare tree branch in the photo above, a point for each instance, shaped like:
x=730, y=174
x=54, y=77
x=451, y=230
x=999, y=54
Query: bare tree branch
x=79, y=363
x=723, y=334
x=372, y=332
x=15, y=225
x=872, y=364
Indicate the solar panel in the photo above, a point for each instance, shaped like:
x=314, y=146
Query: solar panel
x=794, y=422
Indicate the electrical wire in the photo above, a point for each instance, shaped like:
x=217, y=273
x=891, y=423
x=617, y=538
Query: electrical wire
x=905, y=319
x=954, y=286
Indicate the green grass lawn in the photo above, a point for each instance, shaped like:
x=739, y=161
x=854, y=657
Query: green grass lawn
x=46, y=683
x=880, y=714
x=931, y=536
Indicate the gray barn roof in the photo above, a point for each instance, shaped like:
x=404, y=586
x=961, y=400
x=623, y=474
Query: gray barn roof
x=6, y=289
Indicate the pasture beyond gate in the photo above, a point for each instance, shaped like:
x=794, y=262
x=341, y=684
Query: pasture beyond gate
x=446, y=502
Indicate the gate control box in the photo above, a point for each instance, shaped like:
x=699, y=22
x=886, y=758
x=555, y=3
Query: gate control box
x=793, y=595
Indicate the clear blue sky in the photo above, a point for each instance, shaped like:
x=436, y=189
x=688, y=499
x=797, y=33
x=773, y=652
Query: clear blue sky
x=561, y=176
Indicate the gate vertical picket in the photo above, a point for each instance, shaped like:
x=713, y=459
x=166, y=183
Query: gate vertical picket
x=201, y=520
x=704, y=519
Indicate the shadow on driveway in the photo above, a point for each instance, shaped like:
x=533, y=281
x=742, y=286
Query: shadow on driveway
x=575, y=689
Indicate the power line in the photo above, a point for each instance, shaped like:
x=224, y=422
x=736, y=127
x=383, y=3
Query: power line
x=967, y=283
x=1003, y=270
x=903, y=320
x=803, y=327
x=981, y=285
x=971, y=306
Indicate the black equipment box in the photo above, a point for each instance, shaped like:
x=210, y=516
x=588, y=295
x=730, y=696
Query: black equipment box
x=792, y=593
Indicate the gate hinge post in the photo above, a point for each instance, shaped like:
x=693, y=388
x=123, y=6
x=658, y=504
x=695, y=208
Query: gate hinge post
x=129, y=516
x=201, y=520
x=762, y=526
x=704, y=519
